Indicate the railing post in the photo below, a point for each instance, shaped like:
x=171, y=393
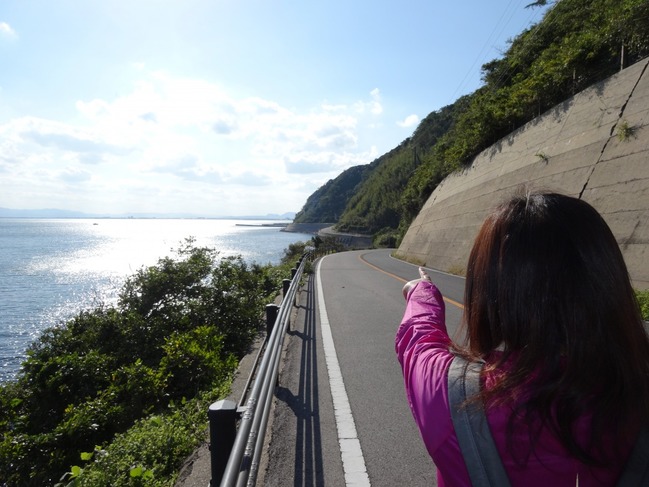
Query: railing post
x=223, y=431
x=293, y=272
x=271, y=317
x=286, y=283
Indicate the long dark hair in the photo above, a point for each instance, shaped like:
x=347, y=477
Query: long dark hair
x=547, y=284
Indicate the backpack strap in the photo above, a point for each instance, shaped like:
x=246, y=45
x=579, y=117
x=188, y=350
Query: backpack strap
x=636, y=472
x=476, y=443
x=478, y=448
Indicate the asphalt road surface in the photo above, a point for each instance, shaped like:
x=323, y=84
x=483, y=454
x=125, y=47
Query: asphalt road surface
x=341, y=417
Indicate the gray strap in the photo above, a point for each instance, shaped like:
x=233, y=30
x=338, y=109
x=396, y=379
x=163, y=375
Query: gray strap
x=476, y=443
x=636, y=472
x=479, y=450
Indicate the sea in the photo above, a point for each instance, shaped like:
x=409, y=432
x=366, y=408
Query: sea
x=51, y=269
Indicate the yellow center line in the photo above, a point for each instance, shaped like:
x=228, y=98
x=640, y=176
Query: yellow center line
x=398, y=278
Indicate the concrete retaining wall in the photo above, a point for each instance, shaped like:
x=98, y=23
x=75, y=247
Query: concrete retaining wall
x=575, y=149
x=348, y=240
x=312, y=228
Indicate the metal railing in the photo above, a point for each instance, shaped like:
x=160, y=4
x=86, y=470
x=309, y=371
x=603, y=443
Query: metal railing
x=235, y=450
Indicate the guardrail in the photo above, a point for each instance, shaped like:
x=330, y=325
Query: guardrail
x=236, y=450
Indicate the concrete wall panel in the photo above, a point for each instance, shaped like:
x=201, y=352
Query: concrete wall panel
x=573, y=148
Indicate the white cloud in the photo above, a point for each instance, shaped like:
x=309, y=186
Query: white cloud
x=372, y=106
x=7, y=31
x=409, y=121
x=70, y=143
x=224, y=126
x=188, y=167
x=74, y=175
x=183, y=143
x=376, y=107
x=308, y=167
x=248, y=178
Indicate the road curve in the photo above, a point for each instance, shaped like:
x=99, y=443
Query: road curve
x=361, y=309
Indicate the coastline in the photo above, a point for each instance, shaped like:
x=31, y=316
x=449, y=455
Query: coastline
x=267, y=225
x=347, y=240
x=311, y=228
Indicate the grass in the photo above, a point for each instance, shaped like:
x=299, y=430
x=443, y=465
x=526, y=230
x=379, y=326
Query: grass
x=151, y=452
x=625, y=131
x=408, y=258
x=643, y=301
x=457, y=270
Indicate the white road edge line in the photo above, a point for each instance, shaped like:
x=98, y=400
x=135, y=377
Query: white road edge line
x=350, y=446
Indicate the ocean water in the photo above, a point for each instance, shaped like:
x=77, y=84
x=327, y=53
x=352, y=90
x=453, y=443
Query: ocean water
x=50, y=269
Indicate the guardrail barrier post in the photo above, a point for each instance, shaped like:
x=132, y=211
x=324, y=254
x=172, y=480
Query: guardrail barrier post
x=271, y=317
x=286, y=283
x=223, y=431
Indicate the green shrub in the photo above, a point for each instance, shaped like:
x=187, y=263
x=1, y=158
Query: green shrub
x=134, y=458
x=194, y=361
x=152, y=451
x=57, y=381
x=386, y=238
x=643, y=301
x=177, y=330
x=294, y=251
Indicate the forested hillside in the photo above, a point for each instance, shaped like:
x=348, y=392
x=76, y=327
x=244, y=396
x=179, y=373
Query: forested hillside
x=577, y=43
x=329, y=201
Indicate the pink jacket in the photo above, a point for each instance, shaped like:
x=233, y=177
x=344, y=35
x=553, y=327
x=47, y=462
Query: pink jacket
x=422, y=345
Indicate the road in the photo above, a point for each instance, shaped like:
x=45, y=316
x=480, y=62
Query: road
x=341, y=416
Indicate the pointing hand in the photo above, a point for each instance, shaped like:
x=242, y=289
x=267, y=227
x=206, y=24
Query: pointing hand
x=410, y=284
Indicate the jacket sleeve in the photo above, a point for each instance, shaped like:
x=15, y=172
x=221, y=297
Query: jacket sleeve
x=422, y=346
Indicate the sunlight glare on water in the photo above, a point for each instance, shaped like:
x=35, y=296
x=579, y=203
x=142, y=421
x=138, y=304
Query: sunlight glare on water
x=121, y=247
x=52, y=269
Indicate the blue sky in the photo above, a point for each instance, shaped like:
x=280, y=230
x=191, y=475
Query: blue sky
x=224, y=107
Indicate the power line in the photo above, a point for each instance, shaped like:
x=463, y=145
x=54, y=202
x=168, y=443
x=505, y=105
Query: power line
x=548, y=21
x=496, y=33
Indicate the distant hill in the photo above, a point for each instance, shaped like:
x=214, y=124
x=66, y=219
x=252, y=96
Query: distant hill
x=329, y=201
x=42, y=213
x=577, y=44
x=367, y=198
x=56, y=213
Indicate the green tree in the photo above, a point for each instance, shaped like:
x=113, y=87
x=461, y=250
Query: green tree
x=178, y=329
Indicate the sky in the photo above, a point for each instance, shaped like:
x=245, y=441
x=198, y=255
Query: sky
x=224, y=107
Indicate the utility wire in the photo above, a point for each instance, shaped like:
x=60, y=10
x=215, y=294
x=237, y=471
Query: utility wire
x=485, y=46
x=547, y=22
x=493, y=37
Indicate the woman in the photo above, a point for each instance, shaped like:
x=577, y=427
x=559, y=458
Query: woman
x=551, y=313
